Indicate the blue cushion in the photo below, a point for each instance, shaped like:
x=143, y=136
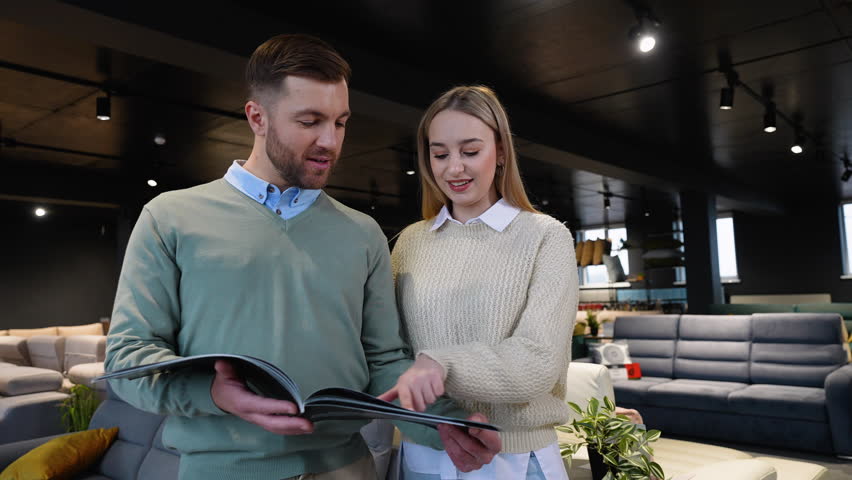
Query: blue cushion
x=693, y=394
x=780, y=401
x=798, y=349
x=713, y=347
x=651, y=340
x=633, y=391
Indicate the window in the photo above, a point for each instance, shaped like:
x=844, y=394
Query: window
x=597, y=274
x=846, y=237
x=727, y=249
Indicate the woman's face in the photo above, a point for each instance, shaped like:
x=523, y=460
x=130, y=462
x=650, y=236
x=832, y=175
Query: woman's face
x=464, y=154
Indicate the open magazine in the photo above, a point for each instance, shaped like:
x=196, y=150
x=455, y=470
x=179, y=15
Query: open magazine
x=267, y=380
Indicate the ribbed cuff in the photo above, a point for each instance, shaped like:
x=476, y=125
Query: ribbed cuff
x=198, y=390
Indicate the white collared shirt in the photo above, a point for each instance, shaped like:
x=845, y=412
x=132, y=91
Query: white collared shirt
x=498, y=216
x=509, y=466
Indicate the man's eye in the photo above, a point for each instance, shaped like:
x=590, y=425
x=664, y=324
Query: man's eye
x=341, y=125
x=308, y=123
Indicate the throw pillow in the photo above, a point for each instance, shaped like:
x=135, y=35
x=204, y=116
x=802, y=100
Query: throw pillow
x=614, y=269
x=615, y=353
x=597, y=256
x=62, y=457
x=578, y=252
x=588, y=252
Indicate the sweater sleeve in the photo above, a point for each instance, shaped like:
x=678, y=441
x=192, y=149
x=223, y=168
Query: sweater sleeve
x=527, y=364
x=145, y=322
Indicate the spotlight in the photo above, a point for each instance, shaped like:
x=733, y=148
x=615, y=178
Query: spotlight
x=645, y=32
x=410, y=172
x=846, y=175
x=40, y=212
x=545, y=202
x=726, y=99
x=647, y=213
x=103, y=108
x=607, y=203
x=159, y=139
x=847, y=168
x=769, y=119
x=152, y=183
x=799, y=145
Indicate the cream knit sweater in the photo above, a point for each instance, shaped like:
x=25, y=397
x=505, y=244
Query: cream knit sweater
x=496, y=310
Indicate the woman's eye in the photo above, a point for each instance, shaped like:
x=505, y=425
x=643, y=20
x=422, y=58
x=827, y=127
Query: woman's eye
x=440, y=156
x=470, y=154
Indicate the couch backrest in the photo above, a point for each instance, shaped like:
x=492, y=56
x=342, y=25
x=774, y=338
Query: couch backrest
x=713, y=347
x=137, y=452
x=798, y=349
x=651, y=340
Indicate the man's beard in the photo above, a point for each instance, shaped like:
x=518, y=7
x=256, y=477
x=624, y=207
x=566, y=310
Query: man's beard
x=293, y=170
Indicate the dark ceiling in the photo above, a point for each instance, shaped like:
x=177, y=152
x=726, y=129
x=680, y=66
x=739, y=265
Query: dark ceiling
x=587, y=107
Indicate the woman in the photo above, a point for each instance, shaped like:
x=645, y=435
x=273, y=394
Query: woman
x=487, y=290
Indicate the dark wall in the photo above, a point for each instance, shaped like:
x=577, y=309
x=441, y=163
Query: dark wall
x=60, y=269
x=791, y=254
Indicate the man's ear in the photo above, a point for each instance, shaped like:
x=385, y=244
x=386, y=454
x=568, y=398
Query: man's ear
x=258, y=117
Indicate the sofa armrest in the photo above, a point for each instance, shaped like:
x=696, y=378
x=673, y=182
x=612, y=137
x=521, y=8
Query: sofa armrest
x=9, y=452
x=13, y=349
x=81, y=349
x=838, y=399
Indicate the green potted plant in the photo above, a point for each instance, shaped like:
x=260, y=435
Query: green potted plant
x=592, y=321
x=618, y=448
x=78, y=408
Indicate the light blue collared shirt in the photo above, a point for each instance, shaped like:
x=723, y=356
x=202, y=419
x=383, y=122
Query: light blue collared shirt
x=286, y=204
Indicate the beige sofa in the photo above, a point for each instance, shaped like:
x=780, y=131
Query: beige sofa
x=38, y=367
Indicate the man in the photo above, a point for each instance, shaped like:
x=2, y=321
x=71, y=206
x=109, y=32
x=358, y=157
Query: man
x=264, y=263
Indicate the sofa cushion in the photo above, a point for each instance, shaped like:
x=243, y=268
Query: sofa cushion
x=3, y=333
x=24, y=380
x=781, y=401
x=61, y=457
x=632, y=392
x=13, y=349
x=90, y=329
x=81, y=349
x=31, y=332
x=161, y=461
x=693, y=394
x=713, y=347
x=798, y=349
x=47, y=351
x=651, y=339
x=83, y=374
x=136, y=430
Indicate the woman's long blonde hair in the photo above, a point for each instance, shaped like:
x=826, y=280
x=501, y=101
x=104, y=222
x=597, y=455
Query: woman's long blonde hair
x=482, y=103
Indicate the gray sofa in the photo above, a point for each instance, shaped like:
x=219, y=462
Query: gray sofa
x=139, y=454
x=781, y=380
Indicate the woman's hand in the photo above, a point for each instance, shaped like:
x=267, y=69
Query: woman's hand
x=419, y=386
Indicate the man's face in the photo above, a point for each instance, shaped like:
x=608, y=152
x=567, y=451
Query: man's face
x=307, y=124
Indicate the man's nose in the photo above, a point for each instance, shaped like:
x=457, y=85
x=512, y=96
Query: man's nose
x=328, y=137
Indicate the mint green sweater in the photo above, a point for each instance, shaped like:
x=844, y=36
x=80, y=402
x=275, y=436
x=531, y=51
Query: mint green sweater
x=207, y=270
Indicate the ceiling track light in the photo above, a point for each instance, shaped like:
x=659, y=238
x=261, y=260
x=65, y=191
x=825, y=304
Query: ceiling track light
x=726, y=96
x=644, y=33
x=799, y=144
x=847, y=168
x=104, y=109
x=769, y=124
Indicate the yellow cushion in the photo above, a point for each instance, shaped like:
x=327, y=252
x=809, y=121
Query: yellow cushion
x=598, y=251
x=90, y=329
x=63, y=457
x=588, y=251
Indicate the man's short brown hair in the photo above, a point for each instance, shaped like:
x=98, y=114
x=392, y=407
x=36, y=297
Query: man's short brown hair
x=295, y=54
